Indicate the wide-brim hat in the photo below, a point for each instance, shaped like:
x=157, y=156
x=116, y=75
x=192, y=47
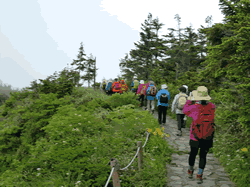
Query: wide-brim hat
x=193, y=93
x=200, y=94
x=185, y=86
x=164, y=86
x=141, y=81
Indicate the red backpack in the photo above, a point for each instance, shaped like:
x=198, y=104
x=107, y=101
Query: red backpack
x=204, y=129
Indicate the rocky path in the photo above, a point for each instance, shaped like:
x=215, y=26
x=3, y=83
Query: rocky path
x=214, y=174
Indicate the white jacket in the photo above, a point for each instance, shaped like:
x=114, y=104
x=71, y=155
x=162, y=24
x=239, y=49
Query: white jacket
x=177, y=111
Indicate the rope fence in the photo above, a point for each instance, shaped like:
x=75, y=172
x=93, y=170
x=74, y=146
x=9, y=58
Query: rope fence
x=115, y=166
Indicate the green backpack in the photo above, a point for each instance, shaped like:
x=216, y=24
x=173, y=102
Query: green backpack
x=136, y=84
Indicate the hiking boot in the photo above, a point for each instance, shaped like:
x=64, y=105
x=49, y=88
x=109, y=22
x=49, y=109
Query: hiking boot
x=190, y=174
x=179, y=133
x=199, y=178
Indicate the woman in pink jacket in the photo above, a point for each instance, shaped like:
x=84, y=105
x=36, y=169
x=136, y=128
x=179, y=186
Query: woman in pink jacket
x=141, y=89
x=202, y=111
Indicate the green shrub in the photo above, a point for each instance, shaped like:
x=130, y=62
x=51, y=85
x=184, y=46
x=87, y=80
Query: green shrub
x=79, y=139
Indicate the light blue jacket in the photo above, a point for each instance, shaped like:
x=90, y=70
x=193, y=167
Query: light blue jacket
x=149, y=97
x=158, y=95
x=109, y=84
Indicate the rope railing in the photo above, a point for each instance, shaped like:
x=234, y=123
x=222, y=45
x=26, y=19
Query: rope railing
x=115, y=167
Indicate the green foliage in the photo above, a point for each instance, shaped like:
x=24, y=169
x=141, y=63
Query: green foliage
x=61, y=84
x=3, y=98
x=62, y=141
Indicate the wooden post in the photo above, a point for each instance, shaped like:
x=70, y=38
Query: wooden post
x=115, y=176
x=140, y=159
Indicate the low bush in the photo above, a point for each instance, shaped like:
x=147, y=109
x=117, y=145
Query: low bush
x=72, y=139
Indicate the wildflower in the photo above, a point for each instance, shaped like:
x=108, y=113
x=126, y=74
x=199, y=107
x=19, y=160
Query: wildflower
x=154, y=133
x=160, y=133
x=168, y=135
x=56, y=143
x=75, y=114
x=79, y=123
x=67, y=173
x=158, y=130
x=70, y=125
x=244, y=149
x=149, y=130
x=162, y=128
x=77, y=182
x=80, y=115
x=38, y=174
x=77, y=129
x=64, y=141
x=38, y=168
x=95, y=148
x=89, y=121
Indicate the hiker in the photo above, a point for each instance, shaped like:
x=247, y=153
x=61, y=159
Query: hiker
x=151, y=93
x=141, y=92
x=109, y=88
x=116, y=86
x=202, y=128
x=177, y=106
x=185, y=117
x=163, y=96
x=136, y=85
x=147, y=85
x=104, y=85
x=124, y=87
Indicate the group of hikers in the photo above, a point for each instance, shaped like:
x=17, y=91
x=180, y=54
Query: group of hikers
x=193, y=104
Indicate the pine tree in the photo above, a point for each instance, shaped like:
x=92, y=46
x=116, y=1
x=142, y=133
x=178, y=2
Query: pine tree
x=228, y=60
x=144, y=58
x=90, y=72
x=80, y=63
x=176, y=48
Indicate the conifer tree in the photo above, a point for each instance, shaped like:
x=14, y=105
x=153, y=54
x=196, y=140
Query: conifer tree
x=90, y=71
x=147, y=50
x=80, y=62
x=228, y=60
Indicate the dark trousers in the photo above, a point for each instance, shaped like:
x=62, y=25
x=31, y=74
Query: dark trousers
x=110, y=93
x=141, y=98
x=146, y=100
x=135, y=91
x=162, y=110
x=204, y=146
x=180, y=120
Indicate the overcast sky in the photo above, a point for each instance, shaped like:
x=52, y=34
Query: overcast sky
x=39, y=37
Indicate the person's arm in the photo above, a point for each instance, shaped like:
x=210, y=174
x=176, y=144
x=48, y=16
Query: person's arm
x=173, y=104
